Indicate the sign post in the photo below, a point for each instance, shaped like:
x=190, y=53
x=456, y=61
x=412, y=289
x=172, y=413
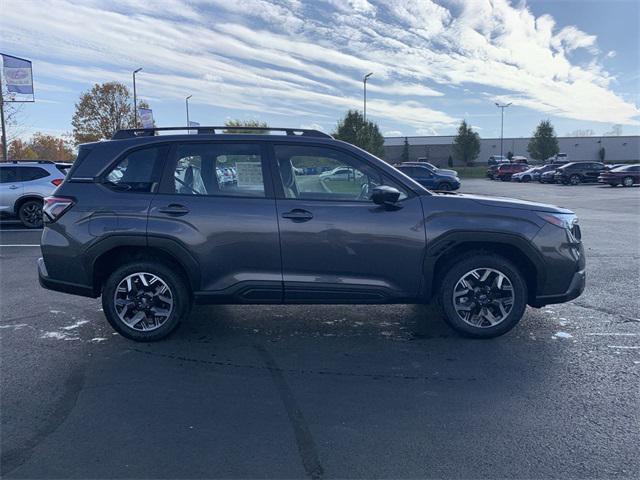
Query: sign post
x=18, y=76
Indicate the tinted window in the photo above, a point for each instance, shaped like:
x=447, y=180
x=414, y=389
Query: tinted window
x=137, y=171
x=219, y=169
x=8, y=174
x=320, y=173
x=28, y=174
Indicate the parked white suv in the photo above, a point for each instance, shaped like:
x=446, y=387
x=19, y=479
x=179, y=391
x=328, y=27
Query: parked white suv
x=23, y=185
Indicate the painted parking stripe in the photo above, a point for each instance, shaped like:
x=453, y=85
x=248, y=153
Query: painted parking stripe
x=18, y=245
x=20, y=230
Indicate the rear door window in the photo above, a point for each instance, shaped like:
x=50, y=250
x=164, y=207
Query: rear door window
x=28, y=174
x=138, y=171
x=219, y=169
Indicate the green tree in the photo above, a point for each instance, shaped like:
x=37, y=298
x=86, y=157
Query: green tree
x=405, y=151
x=245, y=123
x=544, y=142
x=466, y=145
x=353, y=129
x=102, y=111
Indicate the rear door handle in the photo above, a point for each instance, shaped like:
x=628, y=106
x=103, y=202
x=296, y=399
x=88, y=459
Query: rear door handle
x=298, y=215
x=174, y=209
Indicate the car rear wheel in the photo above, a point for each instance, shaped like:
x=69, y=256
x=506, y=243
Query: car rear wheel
x=30, y=213
x=483, y=295
x=504, y=178
x=574, y=179
x=627, y=182
x=145, y=301
x=446, y=186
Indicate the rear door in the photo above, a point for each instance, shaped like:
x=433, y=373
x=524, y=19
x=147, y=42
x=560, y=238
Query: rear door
x=225, y=223
x=10, y=188
x=337, y=245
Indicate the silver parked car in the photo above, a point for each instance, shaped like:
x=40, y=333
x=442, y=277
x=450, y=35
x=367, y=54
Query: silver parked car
x=23, y=185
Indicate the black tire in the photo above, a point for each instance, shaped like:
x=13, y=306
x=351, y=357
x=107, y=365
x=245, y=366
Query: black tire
x=627, y=182
x=526, y=179
x=575, y=179
x=30, y=213
x=445, y=186
x=482, y=260
x=179, y=291
x=503, y=178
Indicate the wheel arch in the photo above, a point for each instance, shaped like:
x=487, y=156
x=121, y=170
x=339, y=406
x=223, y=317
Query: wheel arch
x=515, y=249
x=25, y=198
x=111, y=259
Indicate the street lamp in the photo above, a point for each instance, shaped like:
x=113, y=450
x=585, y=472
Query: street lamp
x=502, y=107
x=135, y=98
x=186, y=102
x=366, y=77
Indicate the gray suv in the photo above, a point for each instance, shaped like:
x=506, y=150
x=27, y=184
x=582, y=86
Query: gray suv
x=146, y=221
x=23, y=185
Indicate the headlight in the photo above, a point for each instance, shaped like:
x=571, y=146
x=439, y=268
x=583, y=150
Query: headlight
x=562, y=220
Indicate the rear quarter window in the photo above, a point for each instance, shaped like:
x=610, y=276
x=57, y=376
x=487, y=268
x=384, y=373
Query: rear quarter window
x=138, y=171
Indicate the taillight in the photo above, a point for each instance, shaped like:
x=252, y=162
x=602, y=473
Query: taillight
x=57, y=181
x=55, y=207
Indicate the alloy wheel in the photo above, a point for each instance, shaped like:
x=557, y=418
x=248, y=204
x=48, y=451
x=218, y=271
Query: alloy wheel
x=483, y=297
x=143, y=301
x=627, y=182
x=31, y=214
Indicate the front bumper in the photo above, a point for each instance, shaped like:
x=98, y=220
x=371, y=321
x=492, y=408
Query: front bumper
x=61, y=286
x=576, y=287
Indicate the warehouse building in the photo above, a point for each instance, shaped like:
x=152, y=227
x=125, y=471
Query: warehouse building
x=437, y=149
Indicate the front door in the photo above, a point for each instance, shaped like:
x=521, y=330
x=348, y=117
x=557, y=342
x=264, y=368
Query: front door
x=337, y=245
x=215, y=204
x=10, y=188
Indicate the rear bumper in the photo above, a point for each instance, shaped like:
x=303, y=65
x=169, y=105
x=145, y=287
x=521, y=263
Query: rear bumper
x=61, y=286
x=576, y=287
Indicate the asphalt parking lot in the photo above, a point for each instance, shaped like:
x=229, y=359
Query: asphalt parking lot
x=332, y=391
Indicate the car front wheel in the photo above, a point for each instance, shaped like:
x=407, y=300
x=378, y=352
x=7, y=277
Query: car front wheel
x=483, y=295
x=574, y=179
x=145, y=301
x=30, y=213
x=627, y=182
x=444, y=186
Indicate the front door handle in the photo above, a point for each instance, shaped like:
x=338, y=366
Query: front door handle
x=298, y=215
x=13, y=187
x=174, y=209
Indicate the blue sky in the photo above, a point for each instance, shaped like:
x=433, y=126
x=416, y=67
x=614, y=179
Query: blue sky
x=300, y=63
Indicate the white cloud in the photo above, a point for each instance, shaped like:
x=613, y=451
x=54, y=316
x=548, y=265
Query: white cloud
x=275, y=56
x=393, y=133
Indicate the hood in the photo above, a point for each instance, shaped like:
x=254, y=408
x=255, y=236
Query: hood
x=505, y=202
x=444, y=171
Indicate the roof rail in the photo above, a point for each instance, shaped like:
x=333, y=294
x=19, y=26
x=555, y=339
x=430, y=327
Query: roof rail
x=149, y=132
x=32, y=161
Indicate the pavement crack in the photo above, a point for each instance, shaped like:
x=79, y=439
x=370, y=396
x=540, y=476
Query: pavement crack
x=607, y=311
x=304, y=439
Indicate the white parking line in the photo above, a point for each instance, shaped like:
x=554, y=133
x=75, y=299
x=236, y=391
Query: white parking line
x=19, y=246
x=20, y=230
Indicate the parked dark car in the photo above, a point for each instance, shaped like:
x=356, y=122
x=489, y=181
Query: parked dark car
x=627, y=176
x=505, y=170
x=548, y=176
x=574, y=173
x=525, y=176
x=429, y=178
x=144, y=221
x=544, y=169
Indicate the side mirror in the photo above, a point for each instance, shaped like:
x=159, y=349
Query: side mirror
x=385, y=195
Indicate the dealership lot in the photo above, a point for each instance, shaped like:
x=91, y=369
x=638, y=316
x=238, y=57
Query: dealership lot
x=332, y=391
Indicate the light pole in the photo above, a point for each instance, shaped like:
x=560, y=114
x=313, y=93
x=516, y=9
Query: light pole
x=135, y=98
x=502, y=107
x=186, y=103
x=364, y=80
